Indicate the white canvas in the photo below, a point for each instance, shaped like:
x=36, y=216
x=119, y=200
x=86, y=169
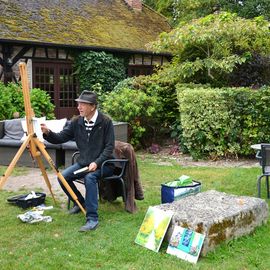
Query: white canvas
x=36, y=125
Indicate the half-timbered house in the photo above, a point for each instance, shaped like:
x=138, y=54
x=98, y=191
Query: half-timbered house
x=45, y=34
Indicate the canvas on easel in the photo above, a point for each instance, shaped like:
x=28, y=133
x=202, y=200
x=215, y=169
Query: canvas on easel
x=37, y=128
x=36, y=147
x=153, y=228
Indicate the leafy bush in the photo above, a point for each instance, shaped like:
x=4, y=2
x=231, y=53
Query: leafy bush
x=134, y=107
x=223, y=122
x=7, y=107
x=41, y=103
x=166, y=107
x=164, y=91
x=94, y=68
x=11, y=101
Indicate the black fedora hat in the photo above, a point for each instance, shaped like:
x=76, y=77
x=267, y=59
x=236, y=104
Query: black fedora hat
x=87, y=97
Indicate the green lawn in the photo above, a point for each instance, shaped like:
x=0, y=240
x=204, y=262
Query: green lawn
x=59, y=245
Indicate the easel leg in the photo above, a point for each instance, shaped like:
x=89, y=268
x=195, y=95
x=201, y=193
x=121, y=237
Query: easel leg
x=14, y=161
x=45, y=176
x=42, y=149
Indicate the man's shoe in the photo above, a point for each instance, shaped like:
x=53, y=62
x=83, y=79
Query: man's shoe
x=89, y=226
x=74, y=210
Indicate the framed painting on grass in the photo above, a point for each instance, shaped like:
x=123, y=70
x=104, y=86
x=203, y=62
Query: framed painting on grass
x=185, y=244
x=153, y=228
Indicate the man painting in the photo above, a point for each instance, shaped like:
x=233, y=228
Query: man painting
x=93, y=133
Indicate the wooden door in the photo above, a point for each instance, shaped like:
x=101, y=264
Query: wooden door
x=57, y=80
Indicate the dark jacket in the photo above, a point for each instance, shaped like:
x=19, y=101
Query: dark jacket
x=97, y=148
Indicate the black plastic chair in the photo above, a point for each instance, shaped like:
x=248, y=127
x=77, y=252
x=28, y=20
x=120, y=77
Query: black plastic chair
x=264, y=157
x=119, y=171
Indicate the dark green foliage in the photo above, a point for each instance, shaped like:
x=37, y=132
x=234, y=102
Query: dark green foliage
x=223, y=122
x=94, y=68
x=11, y=101
x=255, y=72
x=164, y=7
x=186, y=10
x=247, y=8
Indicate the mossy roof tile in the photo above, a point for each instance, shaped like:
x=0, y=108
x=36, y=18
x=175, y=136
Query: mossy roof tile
x=98, y=23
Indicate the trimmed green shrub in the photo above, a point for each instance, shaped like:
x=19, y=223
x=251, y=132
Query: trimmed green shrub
x=164, y=91
x=223, y=122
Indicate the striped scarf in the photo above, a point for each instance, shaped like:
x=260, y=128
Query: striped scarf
x=88, y=125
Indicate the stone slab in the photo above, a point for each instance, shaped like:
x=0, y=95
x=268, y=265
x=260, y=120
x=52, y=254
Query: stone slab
x=217, y=215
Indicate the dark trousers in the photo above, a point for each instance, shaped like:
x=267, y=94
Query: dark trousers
x=91, y=188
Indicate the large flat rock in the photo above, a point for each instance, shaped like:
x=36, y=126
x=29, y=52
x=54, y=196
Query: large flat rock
x=217, y=215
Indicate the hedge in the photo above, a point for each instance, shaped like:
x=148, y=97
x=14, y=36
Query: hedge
x=223, y=122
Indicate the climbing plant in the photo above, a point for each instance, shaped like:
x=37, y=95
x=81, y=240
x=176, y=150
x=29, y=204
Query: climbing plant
x=99, y=68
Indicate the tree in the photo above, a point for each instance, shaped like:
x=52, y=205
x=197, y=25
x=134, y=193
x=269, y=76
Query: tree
x=209, y=49
x=186, y=10
x=164, y=7
x=247, y=8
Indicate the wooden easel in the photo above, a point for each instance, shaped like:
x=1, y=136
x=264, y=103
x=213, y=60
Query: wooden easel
x=36, y=147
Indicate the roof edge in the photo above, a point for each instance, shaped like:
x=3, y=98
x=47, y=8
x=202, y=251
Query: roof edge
x=99, y=48
x=164, y=17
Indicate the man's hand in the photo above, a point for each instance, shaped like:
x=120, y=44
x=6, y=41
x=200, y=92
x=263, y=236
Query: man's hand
x=44, y=129
x=92, y=167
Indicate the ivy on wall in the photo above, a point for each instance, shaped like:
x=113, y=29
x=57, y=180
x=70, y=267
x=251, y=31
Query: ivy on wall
x=99, y=68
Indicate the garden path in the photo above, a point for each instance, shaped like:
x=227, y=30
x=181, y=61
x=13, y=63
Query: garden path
x=33, y=179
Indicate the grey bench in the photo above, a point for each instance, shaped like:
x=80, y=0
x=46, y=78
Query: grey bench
x=11, y=132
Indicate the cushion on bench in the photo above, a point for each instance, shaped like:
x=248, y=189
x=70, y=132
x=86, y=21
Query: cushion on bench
x=13, y=129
